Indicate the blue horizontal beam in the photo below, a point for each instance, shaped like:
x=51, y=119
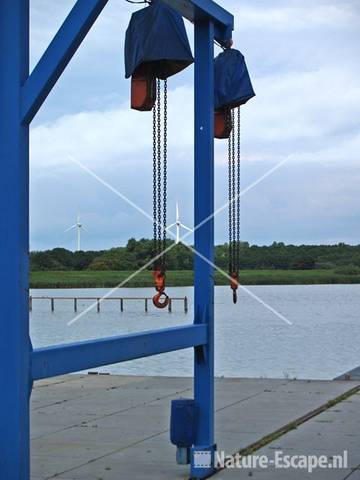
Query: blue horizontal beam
x=206, y=10
x=61, y=359
x=58, y=55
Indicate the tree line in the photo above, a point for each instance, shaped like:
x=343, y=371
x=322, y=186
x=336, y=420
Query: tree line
x=138, y=252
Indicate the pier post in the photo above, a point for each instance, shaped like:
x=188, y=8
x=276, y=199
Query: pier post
x=15, y=344
x=204, y=241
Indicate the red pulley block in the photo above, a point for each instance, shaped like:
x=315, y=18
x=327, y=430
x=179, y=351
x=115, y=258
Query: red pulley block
x=143, y=89
x=223, y=123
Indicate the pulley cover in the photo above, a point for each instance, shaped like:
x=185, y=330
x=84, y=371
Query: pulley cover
x=156, y=37
x=232, y=81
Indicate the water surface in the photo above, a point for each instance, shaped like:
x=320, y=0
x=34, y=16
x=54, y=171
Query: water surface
x=251, y=341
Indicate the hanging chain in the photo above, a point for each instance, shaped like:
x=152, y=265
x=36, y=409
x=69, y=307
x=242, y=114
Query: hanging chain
x=238, y=191
x=229, y=202
x=160, y=174
x=165, y=171
x=234, y=200
x=233, y=191
x=155, y=240
x=159, y=227
x=160, y=154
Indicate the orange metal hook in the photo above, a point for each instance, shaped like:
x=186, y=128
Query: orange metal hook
x=157, y=300
x=159, y=277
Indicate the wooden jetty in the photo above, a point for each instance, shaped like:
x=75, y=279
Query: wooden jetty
x=99, y=301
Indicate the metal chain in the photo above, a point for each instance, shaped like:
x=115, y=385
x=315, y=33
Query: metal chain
x=233, y=189
x=159, y=228
x=160, y=154
x=229, y=201
x=238, y=192
x=155, y=242
x=234, y=157
x=165, y=172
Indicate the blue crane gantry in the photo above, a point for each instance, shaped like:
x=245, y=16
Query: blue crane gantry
x=21, y=96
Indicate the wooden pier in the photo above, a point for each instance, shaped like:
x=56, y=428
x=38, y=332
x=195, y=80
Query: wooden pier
x=98, y=300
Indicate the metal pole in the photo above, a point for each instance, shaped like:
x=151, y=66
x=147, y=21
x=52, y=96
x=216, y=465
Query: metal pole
x=75, y=304
x=122, y=304
x=185, y=305
x=52, y=304
x=15, y=343
x=204, y=240
x=98, y=304
x=146, y=304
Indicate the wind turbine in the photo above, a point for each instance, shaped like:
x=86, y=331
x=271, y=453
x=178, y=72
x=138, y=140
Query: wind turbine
x=178, y=225
x=78, y=226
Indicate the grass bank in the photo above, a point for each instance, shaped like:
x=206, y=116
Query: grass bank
x=95, y=279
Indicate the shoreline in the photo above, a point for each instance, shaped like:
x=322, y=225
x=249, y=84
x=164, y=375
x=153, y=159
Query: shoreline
x=184, y=278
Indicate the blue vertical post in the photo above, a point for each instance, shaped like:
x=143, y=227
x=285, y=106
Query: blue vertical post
x=204, y=244
x=14, y=245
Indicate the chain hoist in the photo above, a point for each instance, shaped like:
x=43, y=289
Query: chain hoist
x=149, y=30
x=232, y=89
x=161, y=299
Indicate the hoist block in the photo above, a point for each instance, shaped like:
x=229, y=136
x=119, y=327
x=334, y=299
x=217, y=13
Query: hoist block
x=143, y=90
x=223, y=123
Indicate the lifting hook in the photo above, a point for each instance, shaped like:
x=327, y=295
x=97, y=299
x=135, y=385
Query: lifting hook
x=159, y=277
x=234, y=283
x=157, y=300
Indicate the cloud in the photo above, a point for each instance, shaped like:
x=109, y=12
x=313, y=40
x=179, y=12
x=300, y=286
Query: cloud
x=295, y=16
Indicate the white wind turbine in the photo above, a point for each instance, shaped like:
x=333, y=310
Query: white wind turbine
x=78, y=226
x=178, y=225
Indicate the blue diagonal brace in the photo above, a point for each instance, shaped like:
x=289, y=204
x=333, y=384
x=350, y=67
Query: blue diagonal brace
x=57, y=56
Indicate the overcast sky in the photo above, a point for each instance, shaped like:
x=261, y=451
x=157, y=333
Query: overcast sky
x=303, y=57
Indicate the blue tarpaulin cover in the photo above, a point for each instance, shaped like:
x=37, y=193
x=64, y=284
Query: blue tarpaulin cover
x=232, y=81
x=156, y=35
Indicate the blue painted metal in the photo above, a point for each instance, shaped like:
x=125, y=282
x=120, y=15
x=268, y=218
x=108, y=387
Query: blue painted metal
x=62, y=359
x=58, y=54
x=14, y=214
x=204, y=236
x=21, y=97
x=207, y=10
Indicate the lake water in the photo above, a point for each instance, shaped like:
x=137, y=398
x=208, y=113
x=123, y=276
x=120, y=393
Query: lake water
x=251, y=341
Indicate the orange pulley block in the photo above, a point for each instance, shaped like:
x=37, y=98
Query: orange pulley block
x=223, y=123
x=143, y=89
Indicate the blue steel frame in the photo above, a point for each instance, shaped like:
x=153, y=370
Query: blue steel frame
x=21, y=96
